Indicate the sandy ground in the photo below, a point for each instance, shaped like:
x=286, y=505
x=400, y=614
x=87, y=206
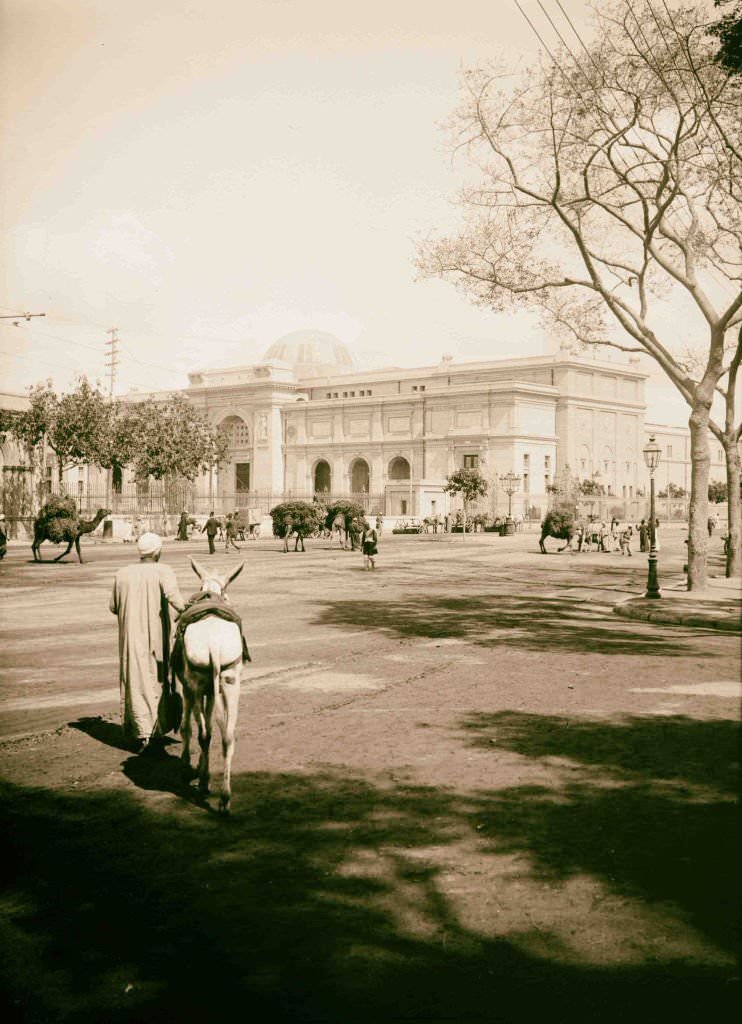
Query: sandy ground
x=463, y=790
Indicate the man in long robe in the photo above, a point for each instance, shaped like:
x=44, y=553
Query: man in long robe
x=142, y=597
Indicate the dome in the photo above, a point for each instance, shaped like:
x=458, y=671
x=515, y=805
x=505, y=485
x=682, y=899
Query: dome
x=312, y=353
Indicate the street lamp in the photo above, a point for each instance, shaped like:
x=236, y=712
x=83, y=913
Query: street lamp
x=510, y=485
x=652, y=454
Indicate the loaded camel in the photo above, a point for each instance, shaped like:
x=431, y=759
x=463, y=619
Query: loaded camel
x=207, y=659
x=560, y=525
x=58, y=522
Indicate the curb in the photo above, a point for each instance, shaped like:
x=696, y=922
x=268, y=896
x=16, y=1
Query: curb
x=640, y=610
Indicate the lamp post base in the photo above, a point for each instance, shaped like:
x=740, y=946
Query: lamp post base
x=653, y=586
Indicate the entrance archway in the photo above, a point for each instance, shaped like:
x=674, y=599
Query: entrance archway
x=360, y=477
x=322, y=477
x=399, y=469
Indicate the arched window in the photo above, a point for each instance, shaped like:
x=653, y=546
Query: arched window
x=399, y=469
x=322, y=477
x=236, y=430
x=360, y=477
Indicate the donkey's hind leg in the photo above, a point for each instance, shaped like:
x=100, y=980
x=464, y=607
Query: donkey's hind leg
x=204, y=709
x=228, y=704
x=185, y=732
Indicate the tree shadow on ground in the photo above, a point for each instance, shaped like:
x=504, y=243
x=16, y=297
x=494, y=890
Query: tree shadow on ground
x=646, y=804
x=487, y=620
x=118, y=908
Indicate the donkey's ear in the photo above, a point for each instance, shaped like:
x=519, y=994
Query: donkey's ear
x=233, y=576
x=197, y=569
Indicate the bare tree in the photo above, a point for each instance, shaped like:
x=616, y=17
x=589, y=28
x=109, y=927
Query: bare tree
x=610, y=195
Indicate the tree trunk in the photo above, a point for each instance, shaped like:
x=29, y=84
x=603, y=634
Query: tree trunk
x=463, y=529
x=699, y=497
x=734, y=561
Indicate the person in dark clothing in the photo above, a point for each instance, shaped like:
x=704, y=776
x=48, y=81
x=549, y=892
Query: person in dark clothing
x=643, y=535
x=230, y=533
x=211, y=528
x=183, y=526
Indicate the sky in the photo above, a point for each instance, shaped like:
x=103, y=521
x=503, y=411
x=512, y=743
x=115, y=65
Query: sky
x=206, y=176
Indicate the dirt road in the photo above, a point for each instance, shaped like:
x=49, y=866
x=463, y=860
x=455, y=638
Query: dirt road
x=462, y=787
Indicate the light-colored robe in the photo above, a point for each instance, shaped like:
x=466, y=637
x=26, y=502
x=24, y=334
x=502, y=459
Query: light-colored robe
x=141, y=598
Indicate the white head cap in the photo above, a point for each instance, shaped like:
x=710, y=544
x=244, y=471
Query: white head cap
x=149, y=544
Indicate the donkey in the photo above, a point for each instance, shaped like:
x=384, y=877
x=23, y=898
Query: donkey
x=210, y=672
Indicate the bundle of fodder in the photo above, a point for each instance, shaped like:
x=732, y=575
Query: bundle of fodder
x=56, y=518
x=302, y=517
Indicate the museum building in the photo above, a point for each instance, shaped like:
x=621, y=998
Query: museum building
x=305, y=421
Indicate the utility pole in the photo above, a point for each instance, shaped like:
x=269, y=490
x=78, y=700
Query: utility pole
x=112, y=358
x=112, y=361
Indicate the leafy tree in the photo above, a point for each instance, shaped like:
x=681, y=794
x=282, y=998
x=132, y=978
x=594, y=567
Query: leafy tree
x=300, y=517
x=171, y=438
x=611, y=189
x=672, y=491
x=728, y=30
x=470, y=484
x=591, y=488
x=76, y=426
x=717, y=491
x=8, y=419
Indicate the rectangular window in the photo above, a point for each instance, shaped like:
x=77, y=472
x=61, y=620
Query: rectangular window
x=669, y=451
x=329, y=394
x=334, y=394
x=345, y=394
x=369, y=392
x=414, y=387
x=242, y=476
x=403, y=507
x=525, y=483
x=526, y=461
x=352, y=394
x=471, y=462
x=422, y=387
x=547, y=462
x=547, y=481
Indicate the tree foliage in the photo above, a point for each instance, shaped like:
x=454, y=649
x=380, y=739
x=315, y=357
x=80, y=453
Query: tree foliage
x=728, y=30
x=300, y=517
x=469, y=483
x=672, y=491
x=718, y=491
x=171, y=438
x=76, y=425
x=610, y=189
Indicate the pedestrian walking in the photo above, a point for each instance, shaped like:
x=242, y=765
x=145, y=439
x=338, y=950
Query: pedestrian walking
x=230, y=534
x=713, y=522
x=211, y=528
x=379, y=524
x=288, y=526
x=141, y=599
x=624, y=538
x=3, y=536
x=369, y=546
